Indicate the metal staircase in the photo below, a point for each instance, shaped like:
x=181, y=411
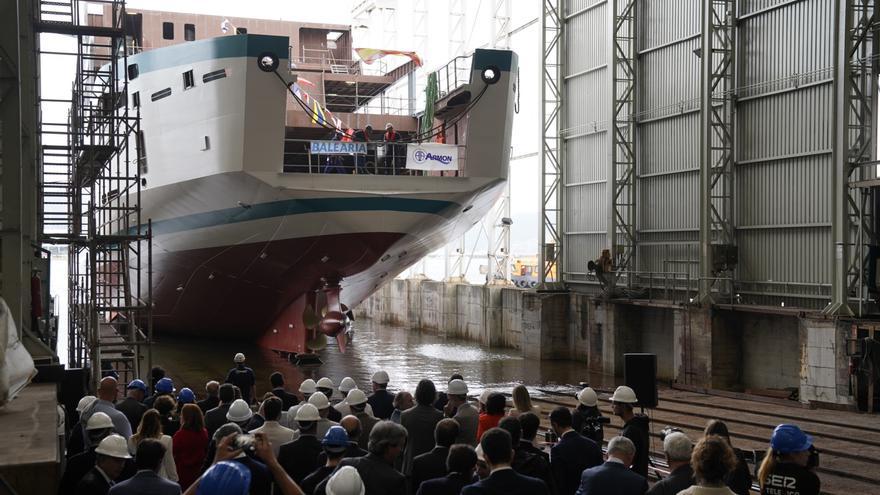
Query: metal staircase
x=90, y=193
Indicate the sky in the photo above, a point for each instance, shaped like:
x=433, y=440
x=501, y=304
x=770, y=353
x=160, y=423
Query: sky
x=443, y=34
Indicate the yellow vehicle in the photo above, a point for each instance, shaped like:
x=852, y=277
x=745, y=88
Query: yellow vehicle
x=526, y=273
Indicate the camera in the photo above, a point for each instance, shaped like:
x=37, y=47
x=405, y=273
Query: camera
x=667, y=431
x=244, y=441
x=813, y=461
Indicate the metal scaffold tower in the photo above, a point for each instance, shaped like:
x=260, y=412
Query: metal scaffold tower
x=551, y=245
x=854, y=155
x=622, y=73
x=90, y=192
x=717, y=83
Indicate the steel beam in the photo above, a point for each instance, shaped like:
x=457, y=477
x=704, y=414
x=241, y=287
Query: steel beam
x=550, y=254
x=717, y=82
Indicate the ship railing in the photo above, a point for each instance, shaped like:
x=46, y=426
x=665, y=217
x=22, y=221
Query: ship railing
x=325, y=60
x=453, y=75
x=381, y=158
x=375, y=104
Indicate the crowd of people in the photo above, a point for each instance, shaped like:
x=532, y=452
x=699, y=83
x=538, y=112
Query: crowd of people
x=331, y=440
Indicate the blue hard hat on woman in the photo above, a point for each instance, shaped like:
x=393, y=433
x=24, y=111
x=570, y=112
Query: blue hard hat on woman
x=225, y=478
x=787, y=439
x=165, y=386
x=186, y=396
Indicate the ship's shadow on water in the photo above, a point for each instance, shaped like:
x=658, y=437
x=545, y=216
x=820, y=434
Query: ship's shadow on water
x=407, y=356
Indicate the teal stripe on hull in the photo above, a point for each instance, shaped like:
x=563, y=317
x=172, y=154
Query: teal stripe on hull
x=230, y=46
x=297, y=207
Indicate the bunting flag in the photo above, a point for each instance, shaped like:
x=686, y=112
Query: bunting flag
x=305, y=81
x=370, y=55
x=225, y=26
x=317, y=113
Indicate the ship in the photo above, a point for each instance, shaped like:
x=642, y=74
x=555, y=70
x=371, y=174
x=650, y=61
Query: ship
x=253, y=235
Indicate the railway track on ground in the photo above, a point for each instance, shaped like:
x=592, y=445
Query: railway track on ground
x=850, y=453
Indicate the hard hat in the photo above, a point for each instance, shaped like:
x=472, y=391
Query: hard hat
x=186, y=396
x=335, y=438
x=319, y=400
x=346, y=481
x=239, y=358
x=356, y=397
x=789, y=438
x=99, y=421
x=307, y=386
x=380, y=377
x=347, y=384
x=225, y=477
x=588, y=397
x=624, y=395
x=325, y=383
x=484, y=397
x=479, y=452
x=138, y=384
x=307, y=412
x=165, y=386
x=388, y=126
x=457, y=387
x=114, y=446
x=85, y=402
x=239, y=411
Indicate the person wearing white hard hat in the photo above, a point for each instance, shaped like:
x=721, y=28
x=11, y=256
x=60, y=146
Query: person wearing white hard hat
x=76, y=443
x=635, y=426
x=300, y=457
x=320, y=401
x=342, y=406
x=277, y=434
x=458, y=408
x=441, y=401
x=110, y=458
x=243, y=377
x=240, y=413
x=306, y=389
x=346, y=481
x=357, y=401
x=326, y=386
x=381, y=401
x=346, y=385
x=586, y=418
x=97, y=428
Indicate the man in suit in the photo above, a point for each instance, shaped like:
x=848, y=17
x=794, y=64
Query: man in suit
x=278, y=435
x=215, y=418
x=288, y=399
x=433, y=464
x=420, y=422
x=457, y=408
x=376, y=469
x=147, y=481
x=133, y=405
x=497, y=449
x=614, y=477
x=529, y=423
x=678, y=449
x=461, y=464
x=106, y=397
x=381, y=401
x=572, y=454
x=110, y=457
x=524, y=462
x=357, y=401
x=300, y=457
x=211, y=400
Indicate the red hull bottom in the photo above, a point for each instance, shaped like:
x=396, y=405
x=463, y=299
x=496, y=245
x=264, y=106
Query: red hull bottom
x=256, y=291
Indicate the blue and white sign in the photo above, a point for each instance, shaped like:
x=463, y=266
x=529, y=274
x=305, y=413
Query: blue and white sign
x=432, y=156
x=337, y=147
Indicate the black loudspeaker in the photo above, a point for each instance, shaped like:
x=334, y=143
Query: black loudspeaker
x=640, y=374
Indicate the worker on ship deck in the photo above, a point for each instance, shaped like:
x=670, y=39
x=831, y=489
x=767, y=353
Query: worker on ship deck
x=243, y=377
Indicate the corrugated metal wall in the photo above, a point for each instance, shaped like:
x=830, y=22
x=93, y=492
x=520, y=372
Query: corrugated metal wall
x=782, y=198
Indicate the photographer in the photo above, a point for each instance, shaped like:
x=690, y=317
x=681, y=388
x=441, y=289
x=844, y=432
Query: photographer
x=788, y=467
x=586, y=418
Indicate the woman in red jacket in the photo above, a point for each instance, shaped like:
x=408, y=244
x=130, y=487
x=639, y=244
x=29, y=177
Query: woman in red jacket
x=190, y=445
x=495, y=405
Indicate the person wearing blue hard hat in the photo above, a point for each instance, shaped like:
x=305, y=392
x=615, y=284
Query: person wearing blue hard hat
x=165, y=386
x=227, y=478
x=186, y=396
x=133, y=405
x=334, y=443
x=788, y=466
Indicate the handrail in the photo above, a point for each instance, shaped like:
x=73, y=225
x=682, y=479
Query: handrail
x=455, y=74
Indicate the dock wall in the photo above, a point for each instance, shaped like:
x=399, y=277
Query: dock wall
x=747, y=349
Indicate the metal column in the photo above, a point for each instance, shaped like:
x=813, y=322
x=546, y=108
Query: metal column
x=550, y=255
x=621, y=142
x=717, y=84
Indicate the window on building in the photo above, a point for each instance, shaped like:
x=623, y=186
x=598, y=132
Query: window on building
x=240, y=30
x=214, y=75
x=133, y=72
x=141, y=151
x=158, y=95
x=188, y=79
x=136, y=99
x=168, y=30
x=189, y=32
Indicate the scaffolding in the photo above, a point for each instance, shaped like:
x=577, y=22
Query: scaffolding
x=91, y=195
